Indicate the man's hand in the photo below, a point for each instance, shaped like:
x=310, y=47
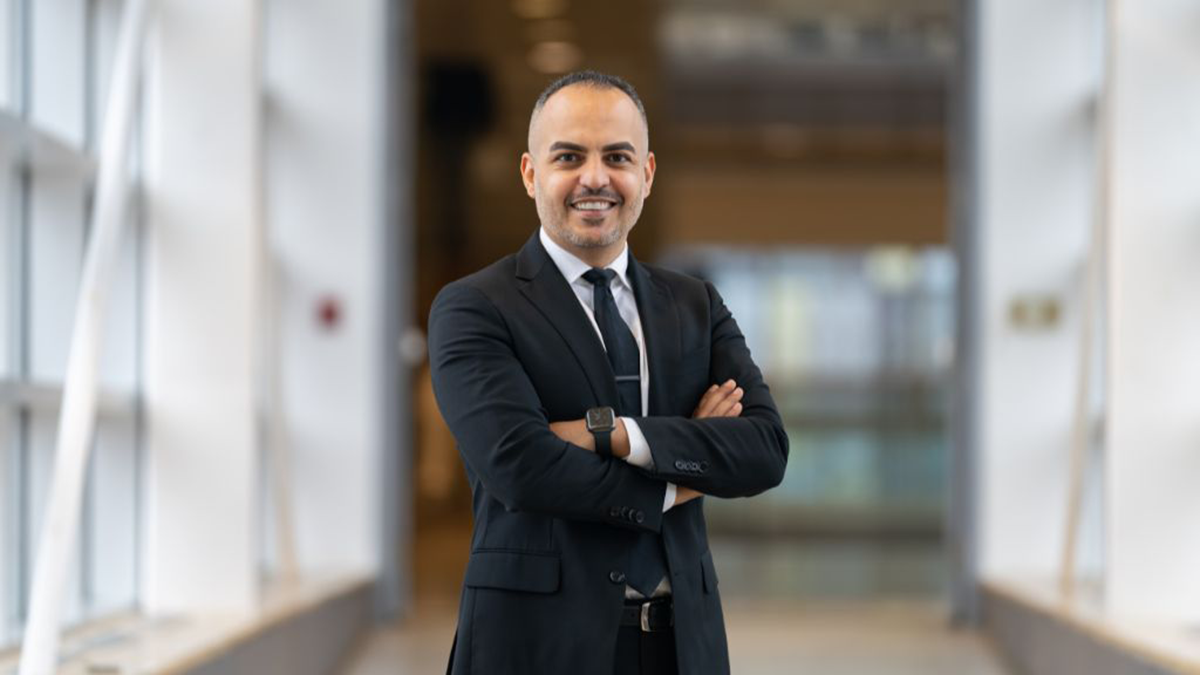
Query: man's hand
x=685, y=494
x=723, y=400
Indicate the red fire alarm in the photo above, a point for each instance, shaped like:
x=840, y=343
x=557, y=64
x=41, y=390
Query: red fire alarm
x=329, y=312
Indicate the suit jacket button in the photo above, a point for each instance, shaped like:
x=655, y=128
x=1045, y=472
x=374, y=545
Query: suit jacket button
x=703, y=467
x=614, y=512
x=695, y=466
x=616, y=577
x=640, y=517
x=680, y=464
x=624, y=511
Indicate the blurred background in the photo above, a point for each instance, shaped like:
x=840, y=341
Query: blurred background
x=957, y=234
x=803, y=150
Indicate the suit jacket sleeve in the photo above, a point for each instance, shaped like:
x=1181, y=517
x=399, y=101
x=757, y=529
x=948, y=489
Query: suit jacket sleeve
x=503, y=432
x=730, y=456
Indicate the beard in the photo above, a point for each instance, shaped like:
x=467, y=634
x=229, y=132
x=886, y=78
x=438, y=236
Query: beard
x=556, y=220
x=590, y=240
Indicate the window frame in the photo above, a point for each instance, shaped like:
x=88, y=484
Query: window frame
x=37, y=148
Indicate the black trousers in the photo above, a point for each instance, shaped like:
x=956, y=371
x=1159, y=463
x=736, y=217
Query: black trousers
x=641, y=653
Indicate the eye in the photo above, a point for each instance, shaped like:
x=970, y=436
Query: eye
x=618, y=158
x=567, y=157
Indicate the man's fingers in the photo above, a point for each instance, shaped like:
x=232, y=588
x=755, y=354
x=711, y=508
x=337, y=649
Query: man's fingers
x=716, y=398
x=707, y=402
x=718, y=404
x=730, y=406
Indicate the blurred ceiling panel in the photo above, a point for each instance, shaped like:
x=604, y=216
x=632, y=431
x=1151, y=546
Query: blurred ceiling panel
x=851, y=62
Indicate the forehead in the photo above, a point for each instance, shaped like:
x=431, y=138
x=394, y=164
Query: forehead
x=588, y=115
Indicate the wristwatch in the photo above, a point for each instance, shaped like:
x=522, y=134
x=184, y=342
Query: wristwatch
x=601, y=422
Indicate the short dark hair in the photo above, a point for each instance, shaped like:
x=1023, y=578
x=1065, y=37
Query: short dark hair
x=590, y=78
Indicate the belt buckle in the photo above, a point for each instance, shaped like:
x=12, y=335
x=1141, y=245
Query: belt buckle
x=645, y=618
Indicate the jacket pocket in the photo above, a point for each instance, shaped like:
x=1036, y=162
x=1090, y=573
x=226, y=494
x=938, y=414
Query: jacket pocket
x=708, y=573
x=513, y=571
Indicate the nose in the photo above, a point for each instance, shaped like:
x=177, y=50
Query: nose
x=594, y=174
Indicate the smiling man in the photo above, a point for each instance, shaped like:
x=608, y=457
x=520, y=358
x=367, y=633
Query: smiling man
x=595, y=400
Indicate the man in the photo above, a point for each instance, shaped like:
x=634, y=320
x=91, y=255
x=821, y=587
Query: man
x=595, y=399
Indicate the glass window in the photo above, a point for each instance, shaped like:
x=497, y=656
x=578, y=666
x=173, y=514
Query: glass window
x=39, y=467
x=7, y=52
x=55, y=263
x=61, y=53
x=9, y=264
x=857, y=347
x=109, y=541
x=56, y=68
x=8, y=528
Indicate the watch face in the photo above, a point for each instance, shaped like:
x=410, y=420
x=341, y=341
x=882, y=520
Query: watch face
x=600, y=419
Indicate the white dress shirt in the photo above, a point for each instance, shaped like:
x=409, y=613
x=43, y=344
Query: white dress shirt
x=573, y=269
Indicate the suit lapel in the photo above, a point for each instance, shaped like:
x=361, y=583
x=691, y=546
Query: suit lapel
x=540, y=282
x=660, y=330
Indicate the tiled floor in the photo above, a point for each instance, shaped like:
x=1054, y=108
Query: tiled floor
x=826, y=609
x=876, y=638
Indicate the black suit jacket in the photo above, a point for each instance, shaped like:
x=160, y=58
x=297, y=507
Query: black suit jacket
x=512, y=350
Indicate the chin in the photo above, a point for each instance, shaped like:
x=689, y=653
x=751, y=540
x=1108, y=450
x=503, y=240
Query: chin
x=591, y=238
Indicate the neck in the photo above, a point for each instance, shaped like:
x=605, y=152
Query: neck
x=598, y=257
x=595, y=256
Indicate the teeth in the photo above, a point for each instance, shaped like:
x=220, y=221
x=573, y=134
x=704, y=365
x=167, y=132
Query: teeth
x=592, y=206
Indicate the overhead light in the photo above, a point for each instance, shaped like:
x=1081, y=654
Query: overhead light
x=539, y=9
x=555, y=58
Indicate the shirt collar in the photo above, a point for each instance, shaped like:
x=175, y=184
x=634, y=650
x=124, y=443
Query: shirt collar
x=572, y=268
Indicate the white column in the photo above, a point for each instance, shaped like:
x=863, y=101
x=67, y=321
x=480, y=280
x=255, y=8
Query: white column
x=1154, y=418
x=1037, y=81
x=203, y=119
x=324, y=187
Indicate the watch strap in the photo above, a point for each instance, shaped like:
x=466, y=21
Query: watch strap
x=603, y=442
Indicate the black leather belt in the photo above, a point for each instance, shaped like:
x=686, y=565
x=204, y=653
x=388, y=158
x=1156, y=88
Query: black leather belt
x=649, y=615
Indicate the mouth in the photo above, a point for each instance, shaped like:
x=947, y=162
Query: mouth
x=593, y=207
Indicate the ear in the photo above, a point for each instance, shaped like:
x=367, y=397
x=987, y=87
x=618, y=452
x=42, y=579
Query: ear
x=527, y=173
x=649, y=172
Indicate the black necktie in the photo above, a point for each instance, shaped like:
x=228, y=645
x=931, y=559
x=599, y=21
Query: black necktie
x=622, y=348
x=647, y=564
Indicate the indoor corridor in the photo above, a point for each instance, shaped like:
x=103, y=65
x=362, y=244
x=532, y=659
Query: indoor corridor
x=887, y=621
x=241, y=421
x=875, y=638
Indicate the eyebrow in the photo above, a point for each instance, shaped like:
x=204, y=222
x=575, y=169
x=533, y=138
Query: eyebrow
x=611, y=147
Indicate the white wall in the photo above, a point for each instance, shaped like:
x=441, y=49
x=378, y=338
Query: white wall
x=1154, y=454
x=1038, y=76
x=262, y=117
x=202, y=162
x=1038, y=191
x=324, y=79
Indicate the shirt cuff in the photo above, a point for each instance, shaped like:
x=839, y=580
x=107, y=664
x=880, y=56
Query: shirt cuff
x=639, y=450
x=669, y=499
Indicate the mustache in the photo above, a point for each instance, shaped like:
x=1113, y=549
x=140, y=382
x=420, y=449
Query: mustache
x=596, y=194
